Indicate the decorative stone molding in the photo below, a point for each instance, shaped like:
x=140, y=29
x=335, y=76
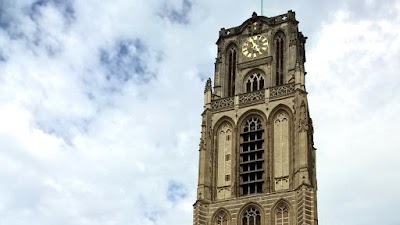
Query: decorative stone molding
x=303, y=118
x=256, y=96
x=222, y=103
x=255, y=62
x=282, y=90
x=282, y=183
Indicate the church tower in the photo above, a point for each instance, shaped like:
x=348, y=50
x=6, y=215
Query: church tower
x=256, y=156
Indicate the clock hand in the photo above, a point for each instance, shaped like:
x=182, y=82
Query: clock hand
x=255, y=46
x=252, y=42
x=258, y=49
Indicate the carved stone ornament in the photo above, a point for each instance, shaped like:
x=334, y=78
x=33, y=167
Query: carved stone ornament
x=251, y=97
x=226, y=188
x=282, y=90
x=255, y=27
x=222, y=103
x=303, y=118
x=303, y=125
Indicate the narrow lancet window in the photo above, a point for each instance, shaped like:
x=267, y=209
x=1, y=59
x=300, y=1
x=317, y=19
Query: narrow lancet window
x=232, y=58
x=221, y=219
x=224, y=152
x=279, y=58
x=281, y=151
x=282, y=214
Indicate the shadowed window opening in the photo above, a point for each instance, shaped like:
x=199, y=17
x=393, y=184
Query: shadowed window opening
x=251, y=216
x=231, y=71
x=279, y=56
x=252, y=157
x=255, y=82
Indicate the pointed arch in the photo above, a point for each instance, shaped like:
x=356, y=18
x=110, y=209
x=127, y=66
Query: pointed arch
x=221, y=120
x=251, y=155
x=254, y=80
x=282, y=213
x=279, y=43
x=221, y=217
x=231, y=62
x=251, y=112
x=280, y=120
x=224, y=133
x=251, y=214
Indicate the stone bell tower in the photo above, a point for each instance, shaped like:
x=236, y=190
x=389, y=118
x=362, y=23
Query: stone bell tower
x=256, y=156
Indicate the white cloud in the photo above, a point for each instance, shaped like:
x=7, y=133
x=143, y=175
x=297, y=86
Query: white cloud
x=353, y=85
x=80, y=144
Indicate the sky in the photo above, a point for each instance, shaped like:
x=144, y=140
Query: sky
x=100, y=105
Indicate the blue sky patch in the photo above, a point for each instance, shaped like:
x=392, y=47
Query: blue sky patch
x=64, y=128
x=124, y=61
x=5, y=15
x=2, y=57
x=178, y=15
x=176, y=191
x=65, y=7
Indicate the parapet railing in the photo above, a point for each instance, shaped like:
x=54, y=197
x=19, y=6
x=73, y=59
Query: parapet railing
x=223, y=103
x=252, y=97
x=282, y=90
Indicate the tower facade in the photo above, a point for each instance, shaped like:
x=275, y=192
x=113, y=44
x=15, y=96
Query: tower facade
x=256, y=156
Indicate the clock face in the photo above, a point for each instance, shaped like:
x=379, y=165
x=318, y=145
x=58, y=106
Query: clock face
x=255, y=46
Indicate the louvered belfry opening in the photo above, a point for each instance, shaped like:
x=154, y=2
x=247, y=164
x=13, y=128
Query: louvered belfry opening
x=252, y=157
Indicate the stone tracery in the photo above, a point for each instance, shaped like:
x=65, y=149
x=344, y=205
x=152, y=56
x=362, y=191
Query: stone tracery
x=282, y=214
x=221, y=218
x=251, y=216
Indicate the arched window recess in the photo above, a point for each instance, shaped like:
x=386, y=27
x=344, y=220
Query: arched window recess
x=279, y=44
x=282, y=214
x=221, y=218
x=255, y=82
x=252, y=157
x=231, y=63
x=251, y=216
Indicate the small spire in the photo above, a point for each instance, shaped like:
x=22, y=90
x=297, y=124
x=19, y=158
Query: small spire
x=254, y=15
x=208, y=85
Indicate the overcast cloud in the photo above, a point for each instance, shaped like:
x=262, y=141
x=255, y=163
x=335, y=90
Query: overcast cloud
x=100, y=105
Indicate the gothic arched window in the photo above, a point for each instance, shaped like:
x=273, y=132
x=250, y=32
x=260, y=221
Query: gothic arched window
x=255, y=82
x=251, y=216
x=279, y=42
x=232, y=60
x=252, y=157
x=282, y=214
x=281, y=150
x=224, y=151
x=221, y=218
